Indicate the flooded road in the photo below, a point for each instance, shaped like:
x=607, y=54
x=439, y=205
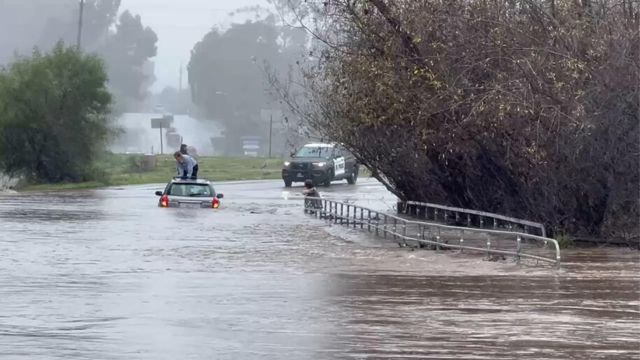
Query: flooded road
x=106, y=274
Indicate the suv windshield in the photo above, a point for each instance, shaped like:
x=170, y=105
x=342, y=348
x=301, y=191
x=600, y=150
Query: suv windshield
x=194, y=190
x=314, y=152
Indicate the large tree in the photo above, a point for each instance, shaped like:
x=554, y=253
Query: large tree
x=127, y=51
x=227, y=72
x=529, y=108
x=53, y=115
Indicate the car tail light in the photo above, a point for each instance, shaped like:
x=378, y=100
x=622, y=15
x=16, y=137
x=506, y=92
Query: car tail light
x=215, y=203
x=164, y=201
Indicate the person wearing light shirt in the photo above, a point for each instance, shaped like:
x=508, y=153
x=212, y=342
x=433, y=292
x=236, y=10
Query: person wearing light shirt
x=186, y=166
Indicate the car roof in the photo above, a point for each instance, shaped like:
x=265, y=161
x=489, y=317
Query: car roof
x=191, y=181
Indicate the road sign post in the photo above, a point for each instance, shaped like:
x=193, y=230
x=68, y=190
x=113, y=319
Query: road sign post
x=160, y=123
x=267, y=115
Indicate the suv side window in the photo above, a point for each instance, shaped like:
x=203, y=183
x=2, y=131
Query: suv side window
x=344, y=152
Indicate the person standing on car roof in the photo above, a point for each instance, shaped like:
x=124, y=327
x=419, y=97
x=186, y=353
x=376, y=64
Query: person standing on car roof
x=186, y=166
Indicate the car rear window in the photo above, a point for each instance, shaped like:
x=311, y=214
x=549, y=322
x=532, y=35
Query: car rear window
x=195, y=190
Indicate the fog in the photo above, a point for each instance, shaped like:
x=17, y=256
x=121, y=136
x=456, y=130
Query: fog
x=178, y=24
x=139, y=137
x=157, y=52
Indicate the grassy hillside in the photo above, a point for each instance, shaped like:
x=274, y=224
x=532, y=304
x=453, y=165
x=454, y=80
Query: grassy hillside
x=117, y=169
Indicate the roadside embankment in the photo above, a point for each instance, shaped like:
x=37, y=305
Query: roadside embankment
x=120, y=169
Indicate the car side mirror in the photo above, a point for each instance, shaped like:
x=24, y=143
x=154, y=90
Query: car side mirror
x=158, y=193
x=219, y=195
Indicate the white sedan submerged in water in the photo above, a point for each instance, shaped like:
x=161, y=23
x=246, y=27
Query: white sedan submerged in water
x=188, y=193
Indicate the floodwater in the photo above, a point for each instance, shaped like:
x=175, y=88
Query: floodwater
x=106, y=274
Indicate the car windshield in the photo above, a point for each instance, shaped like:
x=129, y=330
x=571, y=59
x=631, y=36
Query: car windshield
x=193, y=190
x=314, y=152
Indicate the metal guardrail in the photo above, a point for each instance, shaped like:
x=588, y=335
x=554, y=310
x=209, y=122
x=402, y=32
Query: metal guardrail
x=435, y=235
x=470, y=217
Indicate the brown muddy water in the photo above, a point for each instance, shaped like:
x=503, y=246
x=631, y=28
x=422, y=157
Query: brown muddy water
x=106, y=274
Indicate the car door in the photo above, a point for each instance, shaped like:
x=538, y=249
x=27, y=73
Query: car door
x=339, y=163
x=349, y=160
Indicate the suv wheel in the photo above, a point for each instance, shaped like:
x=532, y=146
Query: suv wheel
x=353, y=177
x=327, y=182
x=287, y=183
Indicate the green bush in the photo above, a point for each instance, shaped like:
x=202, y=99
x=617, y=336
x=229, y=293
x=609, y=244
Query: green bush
x=54, y=115
x=564, y=241
x=136, y=163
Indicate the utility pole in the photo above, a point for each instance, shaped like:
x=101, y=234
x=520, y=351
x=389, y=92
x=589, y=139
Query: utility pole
x=180, y=85
x=78, y=43
x=270, y=131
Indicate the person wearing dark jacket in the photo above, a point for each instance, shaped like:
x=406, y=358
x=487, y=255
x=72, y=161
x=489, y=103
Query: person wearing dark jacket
x=312, y=197
x=183, y=149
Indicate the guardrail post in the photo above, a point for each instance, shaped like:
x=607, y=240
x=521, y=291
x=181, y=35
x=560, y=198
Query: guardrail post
x=469, y=220
x=488, y=247
x=395, y=228
x=384, y=228
x=435, y=214
x=361, y=218
x=355, y=216
x=402, y=207
x=461, y=240
x=368, y=220
x=437, y=243
x=495, y=223
x=518, y=248
x=327, y=211
x=404, y=233
x=457, y=218
x=481, y=222
x=446, y=216
x=347, y=215
x=335, y=215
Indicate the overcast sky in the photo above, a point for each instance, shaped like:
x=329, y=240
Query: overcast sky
x=179, y=25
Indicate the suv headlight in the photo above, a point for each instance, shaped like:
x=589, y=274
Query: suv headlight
x=319, y=164
x=287, y=163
